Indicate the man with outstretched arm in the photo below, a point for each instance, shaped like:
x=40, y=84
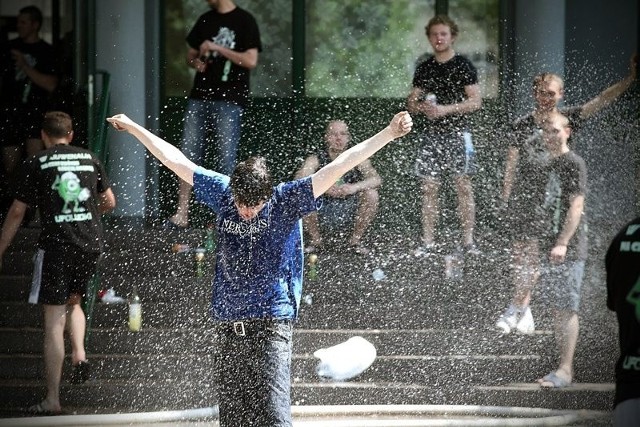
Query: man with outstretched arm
x=257, y=284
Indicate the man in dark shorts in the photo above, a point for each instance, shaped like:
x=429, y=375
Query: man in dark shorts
x=351, y=203
x=27, y=79
x=445, y=91
x=623, y=296
x=524, y=186
x=71, y=189
x=564, y=241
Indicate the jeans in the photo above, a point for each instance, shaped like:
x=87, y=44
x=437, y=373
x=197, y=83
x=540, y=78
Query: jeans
x=252, y=374
x=221, y=118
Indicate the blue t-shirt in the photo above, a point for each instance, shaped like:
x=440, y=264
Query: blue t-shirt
x=259, y=263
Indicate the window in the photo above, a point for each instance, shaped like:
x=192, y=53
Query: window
x=364, y=48
x=354, y=48
x=478, y=22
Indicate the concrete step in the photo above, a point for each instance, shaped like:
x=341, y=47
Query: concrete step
x=305, y=341
x=428, y=369
x=159, y=394
x=194, y=312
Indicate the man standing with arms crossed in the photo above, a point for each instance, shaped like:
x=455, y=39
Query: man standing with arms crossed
x=223, y=49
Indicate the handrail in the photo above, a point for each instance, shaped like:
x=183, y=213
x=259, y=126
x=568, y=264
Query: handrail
x=98, y=141
x=98, y=145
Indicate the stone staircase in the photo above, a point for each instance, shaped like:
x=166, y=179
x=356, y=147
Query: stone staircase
x=434, y=338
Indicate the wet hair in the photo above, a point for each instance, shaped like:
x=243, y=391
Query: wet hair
x=442, y=20
x=57, y=124
x=562, y=119
x=34, y=13
x=251, y=182
x=545, y=78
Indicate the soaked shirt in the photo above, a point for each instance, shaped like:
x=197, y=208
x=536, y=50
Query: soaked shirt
x=623, y=297
x=531, y=172
x=566, y=178
x=259, y=263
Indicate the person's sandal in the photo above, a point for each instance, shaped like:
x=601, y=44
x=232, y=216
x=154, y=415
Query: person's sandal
x=81, y=373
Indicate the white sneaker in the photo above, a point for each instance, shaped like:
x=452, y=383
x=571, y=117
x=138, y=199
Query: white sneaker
x=525, y=324
x=508, y=320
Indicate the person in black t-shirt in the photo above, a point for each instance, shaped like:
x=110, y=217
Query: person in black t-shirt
x=70, y=187
x=623, y=296
x=28, y=77
x=353, y=200
x=524, y=186
x=223, y=49
x=445, y=91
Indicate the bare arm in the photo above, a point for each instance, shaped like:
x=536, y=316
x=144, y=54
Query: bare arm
x=371, y=177
x=513, y=155
x=11, y=225
x=571, y=222
x=473, y=102
x=414, y=103
x=169, y=155
x=309, y=166
x=469, y=105
x=193, y=60
x=323, y=179
x=610, y=94
x=48, y=82
x=106, y=201
x=247, y=59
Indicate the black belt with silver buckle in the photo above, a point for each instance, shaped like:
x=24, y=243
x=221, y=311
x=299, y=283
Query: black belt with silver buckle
x=242, y=328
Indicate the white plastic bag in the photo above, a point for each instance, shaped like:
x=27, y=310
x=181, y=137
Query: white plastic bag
x=345, y=360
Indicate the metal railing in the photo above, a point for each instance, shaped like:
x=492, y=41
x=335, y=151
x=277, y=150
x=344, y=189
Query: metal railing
x=97, y=131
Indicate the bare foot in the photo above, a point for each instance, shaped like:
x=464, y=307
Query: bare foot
x=45, y=408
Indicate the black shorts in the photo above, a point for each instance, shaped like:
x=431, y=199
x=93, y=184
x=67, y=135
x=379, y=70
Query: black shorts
x=18, y=125
x=59, y=273
x=445, y=154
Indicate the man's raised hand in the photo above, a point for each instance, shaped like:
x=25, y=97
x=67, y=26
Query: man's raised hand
x=121, y=122
x=401, y=124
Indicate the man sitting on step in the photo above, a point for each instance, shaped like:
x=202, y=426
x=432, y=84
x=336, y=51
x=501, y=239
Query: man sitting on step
x=353, y=200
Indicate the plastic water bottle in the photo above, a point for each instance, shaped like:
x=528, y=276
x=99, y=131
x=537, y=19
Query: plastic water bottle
x=209, y=240
x=135, y=311
x=312, y=274
x=200, y=258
